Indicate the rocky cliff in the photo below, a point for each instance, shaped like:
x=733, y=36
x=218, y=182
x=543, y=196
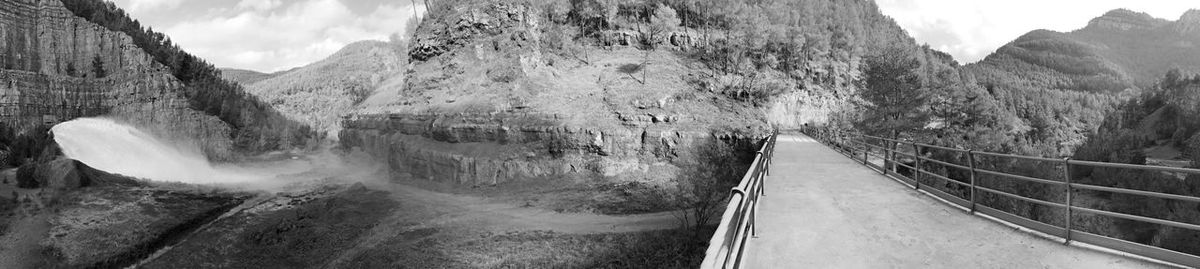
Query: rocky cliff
x=480, y=149
x=57, y=66
x=489, y=100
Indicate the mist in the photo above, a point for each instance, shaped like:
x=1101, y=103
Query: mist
x=120, y=148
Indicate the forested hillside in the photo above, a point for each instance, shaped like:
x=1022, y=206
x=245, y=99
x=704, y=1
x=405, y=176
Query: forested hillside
x=1166, y=117
x=1060, y=86
x=245, y=77
x=256, y=126
x=319, y=94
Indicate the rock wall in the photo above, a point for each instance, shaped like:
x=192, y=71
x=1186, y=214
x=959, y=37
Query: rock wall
x=501, y=147
x=55, y=66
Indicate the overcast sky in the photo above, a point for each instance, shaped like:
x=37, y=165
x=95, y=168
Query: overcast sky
x=270, y=35
x=971, y=29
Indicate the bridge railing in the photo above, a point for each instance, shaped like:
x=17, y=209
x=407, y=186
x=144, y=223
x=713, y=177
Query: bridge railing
x=728, y=243
x=907, y=162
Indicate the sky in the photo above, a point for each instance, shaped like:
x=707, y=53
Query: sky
x=971, y=29
x=271, y=35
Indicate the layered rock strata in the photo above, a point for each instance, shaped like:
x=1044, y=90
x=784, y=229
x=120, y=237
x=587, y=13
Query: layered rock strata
x=502, y=147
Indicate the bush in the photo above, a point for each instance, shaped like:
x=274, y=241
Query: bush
x=707, y=173
x=27, y=177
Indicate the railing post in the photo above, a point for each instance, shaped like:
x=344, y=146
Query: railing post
x=917, y=165
x=971, y=163
x=1067, y=177
x=887, y=155
x=865, y=146
x=766, y=161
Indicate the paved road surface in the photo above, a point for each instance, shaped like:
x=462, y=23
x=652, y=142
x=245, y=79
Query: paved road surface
x=823, y=210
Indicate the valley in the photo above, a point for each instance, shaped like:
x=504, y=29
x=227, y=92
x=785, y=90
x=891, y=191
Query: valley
x=545, y=133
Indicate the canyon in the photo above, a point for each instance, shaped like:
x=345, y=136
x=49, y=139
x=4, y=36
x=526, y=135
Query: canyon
x=57, y=67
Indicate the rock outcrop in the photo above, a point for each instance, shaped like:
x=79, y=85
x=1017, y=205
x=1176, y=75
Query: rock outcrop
x=1125, y=20
x=486, y=102
x=56, y=67
x=496, y=148
x=1189, y=22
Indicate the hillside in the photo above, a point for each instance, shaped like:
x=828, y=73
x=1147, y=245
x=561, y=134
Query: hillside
x=1119, y=50
x=319, y=94
x=1059, y=86
x=244, y=77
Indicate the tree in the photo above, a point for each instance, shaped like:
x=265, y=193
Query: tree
x=664, y=21
x=705, y=180
x=897, y=102
x=98, y=67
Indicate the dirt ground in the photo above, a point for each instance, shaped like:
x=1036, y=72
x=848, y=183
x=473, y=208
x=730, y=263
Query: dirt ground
x=345, y=214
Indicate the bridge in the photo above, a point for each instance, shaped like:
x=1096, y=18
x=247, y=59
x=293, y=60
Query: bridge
x=850, y=201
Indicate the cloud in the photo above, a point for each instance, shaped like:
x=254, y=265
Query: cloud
x=148, y=5
x=259, y=4
x=271, y=35
x=970, y=30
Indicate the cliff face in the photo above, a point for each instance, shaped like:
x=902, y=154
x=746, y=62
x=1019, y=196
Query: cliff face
x=485, y=149
x=486, y=103
x=1125, y=20
x=57, y=67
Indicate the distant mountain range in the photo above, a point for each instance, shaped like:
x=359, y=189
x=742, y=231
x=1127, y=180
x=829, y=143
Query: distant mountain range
x=1120, y=50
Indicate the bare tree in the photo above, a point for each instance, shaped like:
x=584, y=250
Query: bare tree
x=706, y=175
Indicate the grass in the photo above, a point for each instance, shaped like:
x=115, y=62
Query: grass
x=566, y=196
x=460, y=248
x=304, y=233
x=114, y=226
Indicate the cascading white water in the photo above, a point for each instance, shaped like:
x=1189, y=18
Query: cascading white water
x=118, y=148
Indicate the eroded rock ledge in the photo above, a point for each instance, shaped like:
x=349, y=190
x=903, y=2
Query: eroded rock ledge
x=479, y=149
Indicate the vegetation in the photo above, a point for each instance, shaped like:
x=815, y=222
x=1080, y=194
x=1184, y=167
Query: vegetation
x=432, y=248
x=319, y=94
x=23, y=147
x=1167, y=115
x=705, y=178
x=256, y=127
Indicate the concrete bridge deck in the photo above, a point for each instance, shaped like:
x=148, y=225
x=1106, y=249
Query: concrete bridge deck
x=823, y=210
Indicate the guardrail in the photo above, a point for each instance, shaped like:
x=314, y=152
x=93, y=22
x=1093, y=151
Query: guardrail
x=728, y=243
x=889, y=151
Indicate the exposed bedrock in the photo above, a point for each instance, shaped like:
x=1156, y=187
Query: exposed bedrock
x=498, y=148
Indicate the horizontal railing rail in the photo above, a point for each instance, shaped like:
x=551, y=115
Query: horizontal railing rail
x=893, y=154
x=728, y=243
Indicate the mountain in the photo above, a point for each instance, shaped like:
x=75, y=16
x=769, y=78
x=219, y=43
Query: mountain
x=1119, y=50
x=243, y=76
x=1060, y=86
x=319, y=94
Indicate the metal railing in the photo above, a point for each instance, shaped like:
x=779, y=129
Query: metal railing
x=892, y=154
x=728, y=243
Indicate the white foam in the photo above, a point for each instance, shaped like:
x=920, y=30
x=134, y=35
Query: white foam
x=118, y=148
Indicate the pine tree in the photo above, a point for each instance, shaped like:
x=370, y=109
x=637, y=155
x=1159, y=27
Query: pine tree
x=897, y=102
x=98, y=67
